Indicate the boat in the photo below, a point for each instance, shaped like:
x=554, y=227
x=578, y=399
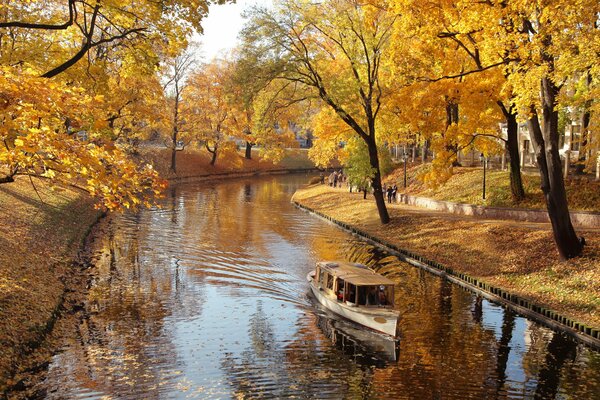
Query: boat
x=357, y=293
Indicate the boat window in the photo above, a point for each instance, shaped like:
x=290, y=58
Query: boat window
x=351, y=295
x=375, y=295
x=339, y=289
x=329, y=282
x=362, y=296
x=372, y=296
x=382, y=296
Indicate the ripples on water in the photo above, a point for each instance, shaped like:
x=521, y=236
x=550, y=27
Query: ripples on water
x=206, y=297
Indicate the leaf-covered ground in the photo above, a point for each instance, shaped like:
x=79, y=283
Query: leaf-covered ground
x=519, y=257
x=465, y=186
x=40, y=235
x=195, y=162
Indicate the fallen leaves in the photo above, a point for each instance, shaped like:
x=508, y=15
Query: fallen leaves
x=518, y=257
x=41, y=229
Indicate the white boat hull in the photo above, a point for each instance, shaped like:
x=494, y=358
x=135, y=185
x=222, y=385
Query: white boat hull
x=379, y=319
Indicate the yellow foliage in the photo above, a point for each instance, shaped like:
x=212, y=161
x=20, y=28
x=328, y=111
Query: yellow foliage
x=54, y=134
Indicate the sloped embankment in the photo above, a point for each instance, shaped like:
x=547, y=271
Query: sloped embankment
x=41, y=233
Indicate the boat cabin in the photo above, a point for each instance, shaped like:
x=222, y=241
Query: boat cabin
x=354, y=284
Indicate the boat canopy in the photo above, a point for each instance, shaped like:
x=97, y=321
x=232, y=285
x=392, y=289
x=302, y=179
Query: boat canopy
x=356, y=274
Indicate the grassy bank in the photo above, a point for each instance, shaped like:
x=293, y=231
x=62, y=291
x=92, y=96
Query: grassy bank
x=196, y=162
x=520, y=258
x=465, y=186
x=41, y=233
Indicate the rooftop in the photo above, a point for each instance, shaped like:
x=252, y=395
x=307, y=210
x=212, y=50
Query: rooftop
x=357, y=274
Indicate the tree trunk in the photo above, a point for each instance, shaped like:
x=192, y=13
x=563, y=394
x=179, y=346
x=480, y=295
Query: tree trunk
x=512, y=145
x=384, y=217
x=249, y=146
x=548, y=160
x=585, y=127
x=452, y=119
x=175, y=132
x=213, y=152
x=552, y=184
x=173, y=159
x=424, y=149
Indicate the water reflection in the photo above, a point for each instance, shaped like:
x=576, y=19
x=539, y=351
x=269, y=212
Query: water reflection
x=206, y=297
x=362, y=346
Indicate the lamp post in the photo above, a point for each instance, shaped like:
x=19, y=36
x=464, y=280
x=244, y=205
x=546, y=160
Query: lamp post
x=404, y=155
x=484, y=162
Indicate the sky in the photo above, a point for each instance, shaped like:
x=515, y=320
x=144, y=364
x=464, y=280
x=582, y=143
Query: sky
x=222, y=26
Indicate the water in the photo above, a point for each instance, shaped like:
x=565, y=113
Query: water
x=207, y=298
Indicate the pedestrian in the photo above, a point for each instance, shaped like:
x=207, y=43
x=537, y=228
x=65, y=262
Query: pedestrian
x=394, y=192
x=322, y=177
x=389, y=194
x=335, y=178
x=330, y=179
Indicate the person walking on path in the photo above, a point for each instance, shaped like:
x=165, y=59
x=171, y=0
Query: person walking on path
x=389, y=194
x=394, y=192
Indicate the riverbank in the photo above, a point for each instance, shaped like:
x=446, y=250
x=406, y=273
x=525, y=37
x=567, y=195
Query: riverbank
x=42, y=273
x=519, y=258
x=42, y=232
x=194, y=164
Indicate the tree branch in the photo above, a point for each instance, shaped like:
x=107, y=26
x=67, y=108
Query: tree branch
x=503, y=62
x=51, y=27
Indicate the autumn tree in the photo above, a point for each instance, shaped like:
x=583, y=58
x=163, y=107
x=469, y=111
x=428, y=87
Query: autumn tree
x=177, y=70
x=357, y=166
x=61, y=62
x=539, y=47
x=446, y=52
x=335, y=49
x=281, y=110
x=548, y=45
x=247, y=80
x=266, y=108
x=58, y=34
x=209, y=109
x=56, y=131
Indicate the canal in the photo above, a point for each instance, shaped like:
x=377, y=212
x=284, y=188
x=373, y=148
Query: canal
x=206, y=297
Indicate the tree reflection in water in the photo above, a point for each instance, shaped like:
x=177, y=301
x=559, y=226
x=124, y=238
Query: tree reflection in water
x=205, y=298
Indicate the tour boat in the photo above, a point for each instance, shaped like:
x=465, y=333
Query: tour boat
x=357, y=293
